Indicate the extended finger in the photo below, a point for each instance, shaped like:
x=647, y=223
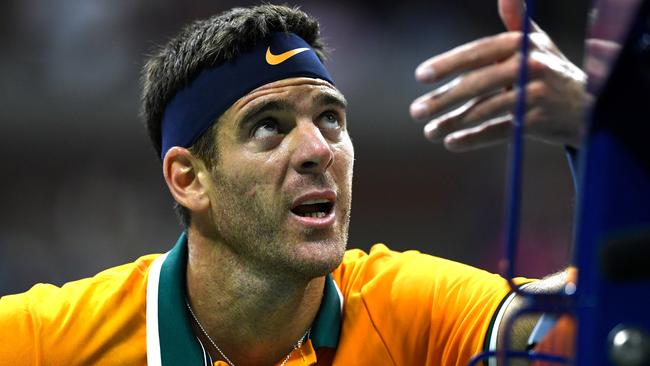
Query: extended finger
x=468, y=56
x=602, y=48
x=493, y=132
x=470, y=114
x=475, y=84
x=480, y=110
x=511, y=12
x=490, y=133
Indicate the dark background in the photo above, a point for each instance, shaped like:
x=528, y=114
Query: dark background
x=81, y=190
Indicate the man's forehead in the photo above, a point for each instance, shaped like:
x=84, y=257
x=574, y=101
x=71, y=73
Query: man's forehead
x=302, y=86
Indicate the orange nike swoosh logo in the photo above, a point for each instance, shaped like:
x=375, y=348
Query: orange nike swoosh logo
x=272, y=59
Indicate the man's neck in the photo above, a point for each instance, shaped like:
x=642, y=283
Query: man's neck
x=254, y=318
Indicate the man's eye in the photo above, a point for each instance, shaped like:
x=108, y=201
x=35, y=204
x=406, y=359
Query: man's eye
x=329, y=120
x=266, y=128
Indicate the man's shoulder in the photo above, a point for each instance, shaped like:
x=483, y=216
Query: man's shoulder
x=413, y=278
x=50, y=302
x=412, y=265
x=407, y=297
x=89, y=312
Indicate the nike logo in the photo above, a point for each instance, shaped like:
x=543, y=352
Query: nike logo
x=272, y=59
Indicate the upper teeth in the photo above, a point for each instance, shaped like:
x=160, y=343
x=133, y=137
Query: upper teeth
x=311, y=202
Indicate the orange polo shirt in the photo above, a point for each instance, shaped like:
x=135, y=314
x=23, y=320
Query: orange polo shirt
x=380, y=308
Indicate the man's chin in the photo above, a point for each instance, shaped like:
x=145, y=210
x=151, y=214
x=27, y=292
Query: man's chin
x=315, y=259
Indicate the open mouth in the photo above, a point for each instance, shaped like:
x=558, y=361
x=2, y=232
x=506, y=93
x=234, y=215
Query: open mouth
x=317, y=208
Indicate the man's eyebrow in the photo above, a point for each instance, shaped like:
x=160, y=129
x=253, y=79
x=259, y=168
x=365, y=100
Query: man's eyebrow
x=254, y=111
x=329, y=98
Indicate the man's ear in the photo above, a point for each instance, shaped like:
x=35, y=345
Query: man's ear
x=182, y=171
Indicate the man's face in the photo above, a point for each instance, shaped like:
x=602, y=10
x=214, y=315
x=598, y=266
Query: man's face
x=283, y=177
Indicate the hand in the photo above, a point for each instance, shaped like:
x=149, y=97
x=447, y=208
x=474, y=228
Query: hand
x=475, y=108
x=601, y=54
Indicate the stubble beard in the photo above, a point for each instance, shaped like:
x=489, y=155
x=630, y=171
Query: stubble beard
x=259, y=235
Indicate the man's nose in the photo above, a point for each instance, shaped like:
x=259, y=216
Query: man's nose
x=312, y=153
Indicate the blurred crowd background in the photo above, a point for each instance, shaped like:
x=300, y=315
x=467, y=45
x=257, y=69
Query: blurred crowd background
x=81, y=189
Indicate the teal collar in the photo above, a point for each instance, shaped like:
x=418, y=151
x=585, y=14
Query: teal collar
x=170, y=340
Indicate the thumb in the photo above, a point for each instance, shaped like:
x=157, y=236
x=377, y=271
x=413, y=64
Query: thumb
x=511, y=12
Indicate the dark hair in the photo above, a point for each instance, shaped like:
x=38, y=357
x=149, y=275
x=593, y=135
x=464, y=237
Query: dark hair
x=207, y=43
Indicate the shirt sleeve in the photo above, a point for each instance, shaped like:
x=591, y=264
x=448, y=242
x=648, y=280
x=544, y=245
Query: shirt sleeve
x=17, y=332
x=427, y=310
x=93, y=321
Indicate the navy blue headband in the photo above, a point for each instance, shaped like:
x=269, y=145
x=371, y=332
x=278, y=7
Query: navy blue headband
x=197, y=106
